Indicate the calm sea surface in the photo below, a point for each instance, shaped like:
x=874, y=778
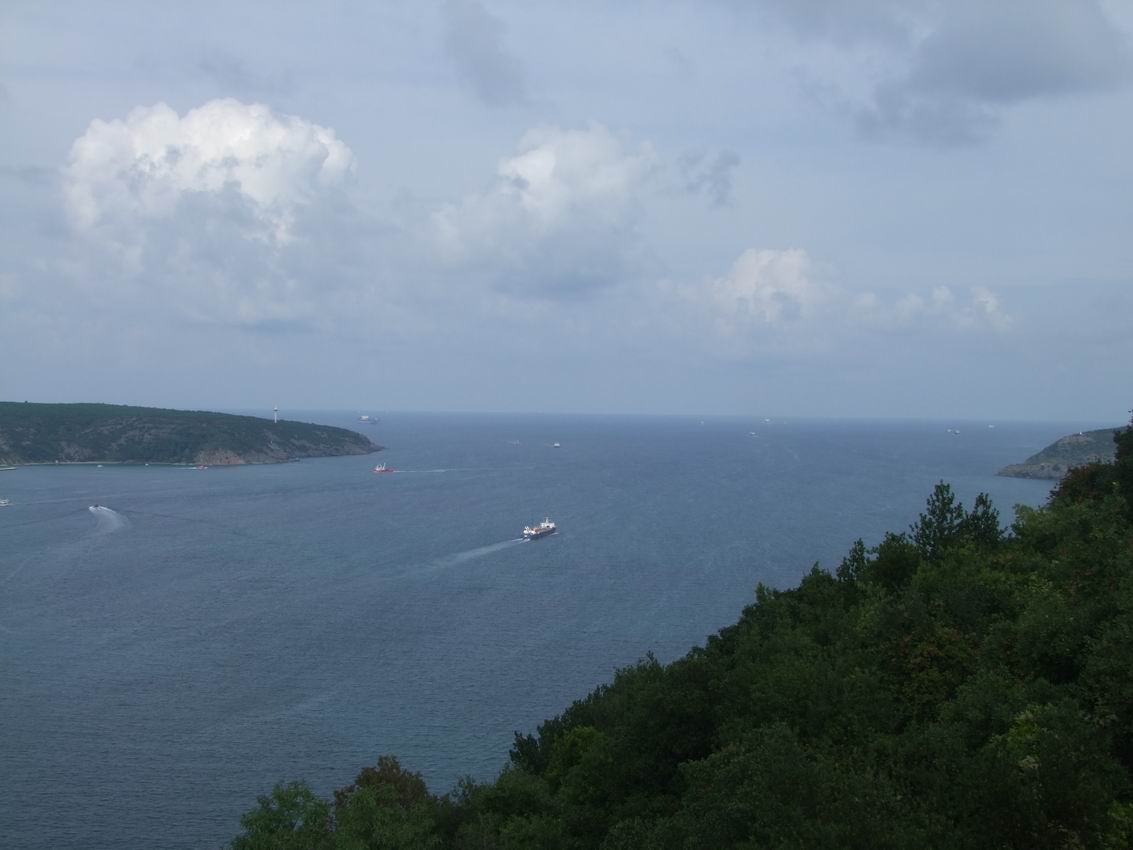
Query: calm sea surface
x=218, y=630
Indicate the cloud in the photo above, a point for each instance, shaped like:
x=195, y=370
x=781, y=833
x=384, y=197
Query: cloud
x=940, y=308
x=217, y=216
x=945, y=73
x=843, y=23
x=767, y=287
x=713, y=175
x=474, y=39
x=982, y=58
x=559, y=220
x=782, y=300
x=125, y=173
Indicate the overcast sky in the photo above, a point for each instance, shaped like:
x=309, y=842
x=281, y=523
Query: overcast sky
x=759, y=207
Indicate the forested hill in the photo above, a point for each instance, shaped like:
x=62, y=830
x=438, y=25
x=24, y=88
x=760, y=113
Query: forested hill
x=45, y=433
x=1064, y=454
x=956, y=686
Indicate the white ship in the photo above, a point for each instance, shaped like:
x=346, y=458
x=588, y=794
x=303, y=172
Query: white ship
x=5, y=502
x=541, y=530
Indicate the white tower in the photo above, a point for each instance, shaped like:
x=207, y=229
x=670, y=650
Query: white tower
x=275, y=411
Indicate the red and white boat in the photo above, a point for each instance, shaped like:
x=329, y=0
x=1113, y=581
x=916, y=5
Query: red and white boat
x=534, y=532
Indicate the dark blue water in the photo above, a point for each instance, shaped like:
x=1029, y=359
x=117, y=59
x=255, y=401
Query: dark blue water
x=216, y=631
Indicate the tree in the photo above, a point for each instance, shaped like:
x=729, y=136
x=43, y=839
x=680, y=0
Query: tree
x=981, y=525
x=940, y=524
x=291, y=817
x=854, y=565
x=1123, y=465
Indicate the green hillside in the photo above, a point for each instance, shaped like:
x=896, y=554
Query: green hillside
x=1065, y=454
x=111, y=433
x=956, y=686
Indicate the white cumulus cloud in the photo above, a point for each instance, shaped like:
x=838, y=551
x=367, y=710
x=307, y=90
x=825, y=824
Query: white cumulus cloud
x=767, y=287
x=142, y=167
x=783, y=300
x=230, y=213
x=940, y=308
x=560, y=217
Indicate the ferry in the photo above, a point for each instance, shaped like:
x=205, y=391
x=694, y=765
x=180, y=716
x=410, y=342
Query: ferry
x=381, y=467
x=541, y=530
x=367, y=420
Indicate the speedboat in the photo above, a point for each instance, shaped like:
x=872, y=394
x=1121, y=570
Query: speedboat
x=381, y=467
x=534, y=532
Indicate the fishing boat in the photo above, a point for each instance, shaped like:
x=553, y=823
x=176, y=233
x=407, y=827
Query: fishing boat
x=381, y=468
x=534, y=532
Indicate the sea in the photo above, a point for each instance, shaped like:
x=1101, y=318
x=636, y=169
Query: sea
x=206, y=633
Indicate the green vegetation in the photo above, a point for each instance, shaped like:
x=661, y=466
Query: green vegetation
x=1064, y=454
x=45, y=433
x=957, y=686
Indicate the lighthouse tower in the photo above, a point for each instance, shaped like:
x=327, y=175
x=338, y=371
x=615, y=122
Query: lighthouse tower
x=275, y=412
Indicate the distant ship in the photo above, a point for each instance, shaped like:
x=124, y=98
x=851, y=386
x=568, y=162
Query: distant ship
x=556, y=446
x=367, y=420
x=381, y=467
x=5, y=503
x=541, y=530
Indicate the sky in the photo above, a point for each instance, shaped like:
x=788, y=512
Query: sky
x=827, y=208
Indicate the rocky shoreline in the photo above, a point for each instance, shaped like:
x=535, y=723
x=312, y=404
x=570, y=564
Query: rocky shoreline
x=1064, y=454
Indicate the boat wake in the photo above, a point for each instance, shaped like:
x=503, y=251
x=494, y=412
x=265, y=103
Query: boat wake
x=109, y=520
x=471, y=554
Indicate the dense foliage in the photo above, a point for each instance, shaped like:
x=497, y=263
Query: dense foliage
x=956, y=686
x=43, y=433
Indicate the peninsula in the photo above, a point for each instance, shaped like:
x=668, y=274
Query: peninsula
x=1064, y=454
x=112, y=433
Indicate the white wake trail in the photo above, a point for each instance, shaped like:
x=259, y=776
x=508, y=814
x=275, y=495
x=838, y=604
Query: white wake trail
x=471, y=554
x=109, y=520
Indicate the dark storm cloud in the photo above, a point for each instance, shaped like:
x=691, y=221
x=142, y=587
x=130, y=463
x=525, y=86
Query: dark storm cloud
x=949, y=71
x=474, y=39
x=983, y=58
